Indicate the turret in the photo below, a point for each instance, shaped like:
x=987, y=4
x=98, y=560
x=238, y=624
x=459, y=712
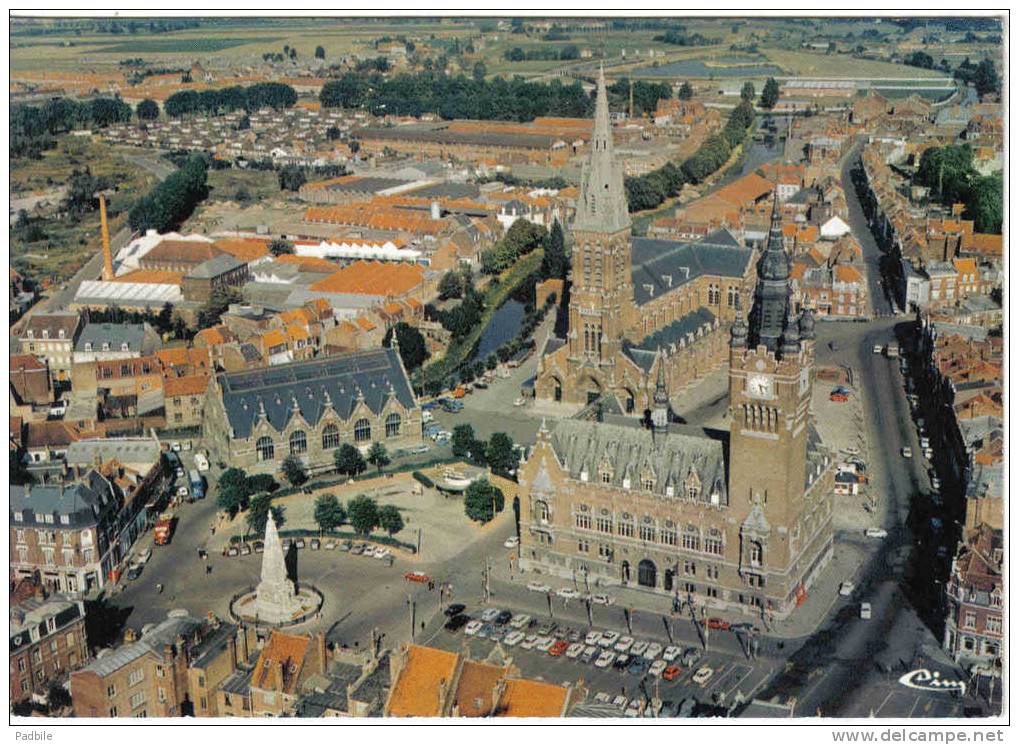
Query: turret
x=738, y=334
x=660, y=412
x=807, y=325
x=791, y=336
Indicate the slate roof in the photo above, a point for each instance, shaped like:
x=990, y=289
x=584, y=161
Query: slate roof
x=154, y=641
x=114, y=334
x=656, y=260
x=668, y=336
x=629, y=450
x=314, y=386
x=217, y=266
x=81, y=501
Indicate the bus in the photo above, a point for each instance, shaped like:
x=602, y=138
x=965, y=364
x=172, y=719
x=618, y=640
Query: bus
x=197, y=484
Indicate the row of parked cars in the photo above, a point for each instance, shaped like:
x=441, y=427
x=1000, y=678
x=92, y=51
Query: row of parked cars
x=603, y=649
x=567, y=593
x=315, y=544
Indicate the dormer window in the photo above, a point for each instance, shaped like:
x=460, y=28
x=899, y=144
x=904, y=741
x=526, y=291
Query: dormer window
x=88, y=346
x=123, y=346
x=606, y=477
x=670, y=491
x=31, y=334
x=61, y=333
x=647, y=484
x=106, y=346
x=45, y=333
x=626, y=482
x=583, y=475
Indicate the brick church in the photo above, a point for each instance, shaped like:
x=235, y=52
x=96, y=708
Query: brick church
x=631, y=297
x=740, y=519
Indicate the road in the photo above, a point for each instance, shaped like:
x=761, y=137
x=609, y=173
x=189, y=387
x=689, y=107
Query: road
x=872, y=254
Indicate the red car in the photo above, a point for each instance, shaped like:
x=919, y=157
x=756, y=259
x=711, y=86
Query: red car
x=557, y=649
x=718, y=624
x=671, y=672
x=417, y=577
x=840, y=397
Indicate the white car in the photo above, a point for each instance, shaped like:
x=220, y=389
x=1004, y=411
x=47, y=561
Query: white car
x=907, y=452
x=520, y=621
x=601, y=599
x=182, y=491
x=935, y=483
x=201, y=462
x=575, y=650
x=529, y=641
x=620, y=702
x=512, y=542
x=602, y=698
x=567, y=593
x=703, y=675
x=671, y=653
x=545, y=643
x=925, y=442
x=369, y=551
x=593, y=637
x=876, y=533
x=878, y=349
x=624, y=644
x=382, y=553
x=604, y=659
x=144, y=556
x=846, y=589
x=489, y=614
x=538, y=587
x=513, y=638
x=473, y=627
x=865, y=611
x=851, y=451
x=175, y=447
x=638, y=649
x=608, y=639
x=653, y=650
x=657, y=668
x=519, y=401
x=633, y=710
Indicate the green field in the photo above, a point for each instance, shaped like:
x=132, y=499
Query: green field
x=839, y=65
x=185, y=46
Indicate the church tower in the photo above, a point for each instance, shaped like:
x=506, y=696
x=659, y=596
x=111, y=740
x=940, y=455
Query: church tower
x=601, y=294
x=771, y=370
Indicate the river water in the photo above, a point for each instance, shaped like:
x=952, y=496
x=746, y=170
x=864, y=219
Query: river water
x=502, y=328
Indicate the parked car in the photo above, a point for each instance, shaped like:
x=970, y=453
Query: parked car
x=135, y=571
x=878, y=349
x=513, y=638
x=907, y=452
x=489, y=614
x=657, y=668
x=383, y=553
x=846, y=589
x=602, y=599
x=876, y=533
x=299, y=543
x=503, y=618
x=473, y=628
x=455, y=609
x=419, y=577
x=144, y=556
x=838, y=397
x=344, y=546
x=520, y=621
x=638, y=648
x=653, y=650
x=638, y=666
x=671, y=652
x=865, y=611
x=329, y=546
x=604, y=659
x=633, y=709
x=558, y=648
x=624, y=644
x=529, y=641
x=620, y=702
x=671, y=672
x=457, y=622
x=718, y=624
x=703, y=675
x=593, y=637
x=589, y=654
x=538, y=587
x=512, y=542
x=608, y=639
x=567, y=593
x=691, y=656
x=519, y=401
x=182, y=491
x=545, y=643
x=621, y=662
x=315, y=544
x=575, y=650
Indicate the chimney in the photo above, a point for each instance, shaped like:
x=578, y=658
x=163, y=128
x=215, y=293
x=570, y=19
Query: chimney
x=130, y=635
x=104, y=227
x=277, y=671
x=323, y=652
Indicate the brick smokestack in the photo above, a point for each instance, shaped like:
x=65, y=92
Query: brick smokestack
x=107, y=255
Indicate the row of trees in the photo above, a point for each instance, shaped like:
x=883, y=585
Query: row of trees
x=646, y=95
x=362, y=513
x=948, y=172
x=649, y=191
x=277, y=96
x=32, y=128
x=172, y=200
x=456, y=97
x=498, y=453
x=522, y=237
x=984, y=76
x=516, y=54
x=769, y=94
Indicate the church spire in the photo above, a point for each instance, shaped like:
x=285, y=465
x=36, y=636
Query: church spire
x=660, y=412
x=602, y=205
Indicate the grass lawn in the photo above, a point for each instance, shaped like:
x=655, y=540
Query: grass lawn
x=839, y=65
x=224, y=185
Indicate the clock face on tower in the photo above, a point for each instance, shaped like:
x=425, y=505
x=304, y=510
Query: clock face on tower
x=759, y=386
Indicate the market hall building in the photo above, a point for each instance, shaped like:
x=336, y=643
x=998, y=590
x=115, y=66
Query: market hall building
x=256, y=418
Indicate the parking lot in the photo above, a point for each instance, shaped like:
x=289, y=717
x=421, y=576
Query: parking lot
x=561, y=653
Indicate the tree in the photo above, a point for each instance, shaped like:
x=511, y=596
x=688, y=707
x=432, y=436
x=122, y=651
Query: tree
x=984, y=204
x=261, y=482
x=320, y=52
x=348, y=460
x=390, y=519
x=479, y=71
x=499, y=453
x=244, y=123
x=294, y=471
x=19, y=473
x=555, y=264
x=770, y=93
x=233, y=490
x=482, y=501
x=460, y=442
x=329, y=513
x=279, y=246
x=747, y=92
x=292, y=178
x=685, y=92
x=219, y=301
x=378, y=456
x=986, y=79
x=333, y=133
x=258, y=514
x=413, y=350
x=147, y=110
x=363, y=514
x=451, y=285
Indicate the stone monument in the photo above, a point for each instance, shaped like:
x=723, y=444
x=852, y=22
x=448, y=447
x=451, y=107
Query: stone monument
x=276, y=601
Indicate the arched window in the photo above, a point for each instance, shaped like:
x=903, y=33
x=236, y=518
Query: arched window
x=541, y=510
x=265, y=448
x=362, y=430
x=732, y=298
x=691, y=538
x=298, y=443
x=393, y=425
x=647, y=573
x=756, y=553
x=330, y=437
